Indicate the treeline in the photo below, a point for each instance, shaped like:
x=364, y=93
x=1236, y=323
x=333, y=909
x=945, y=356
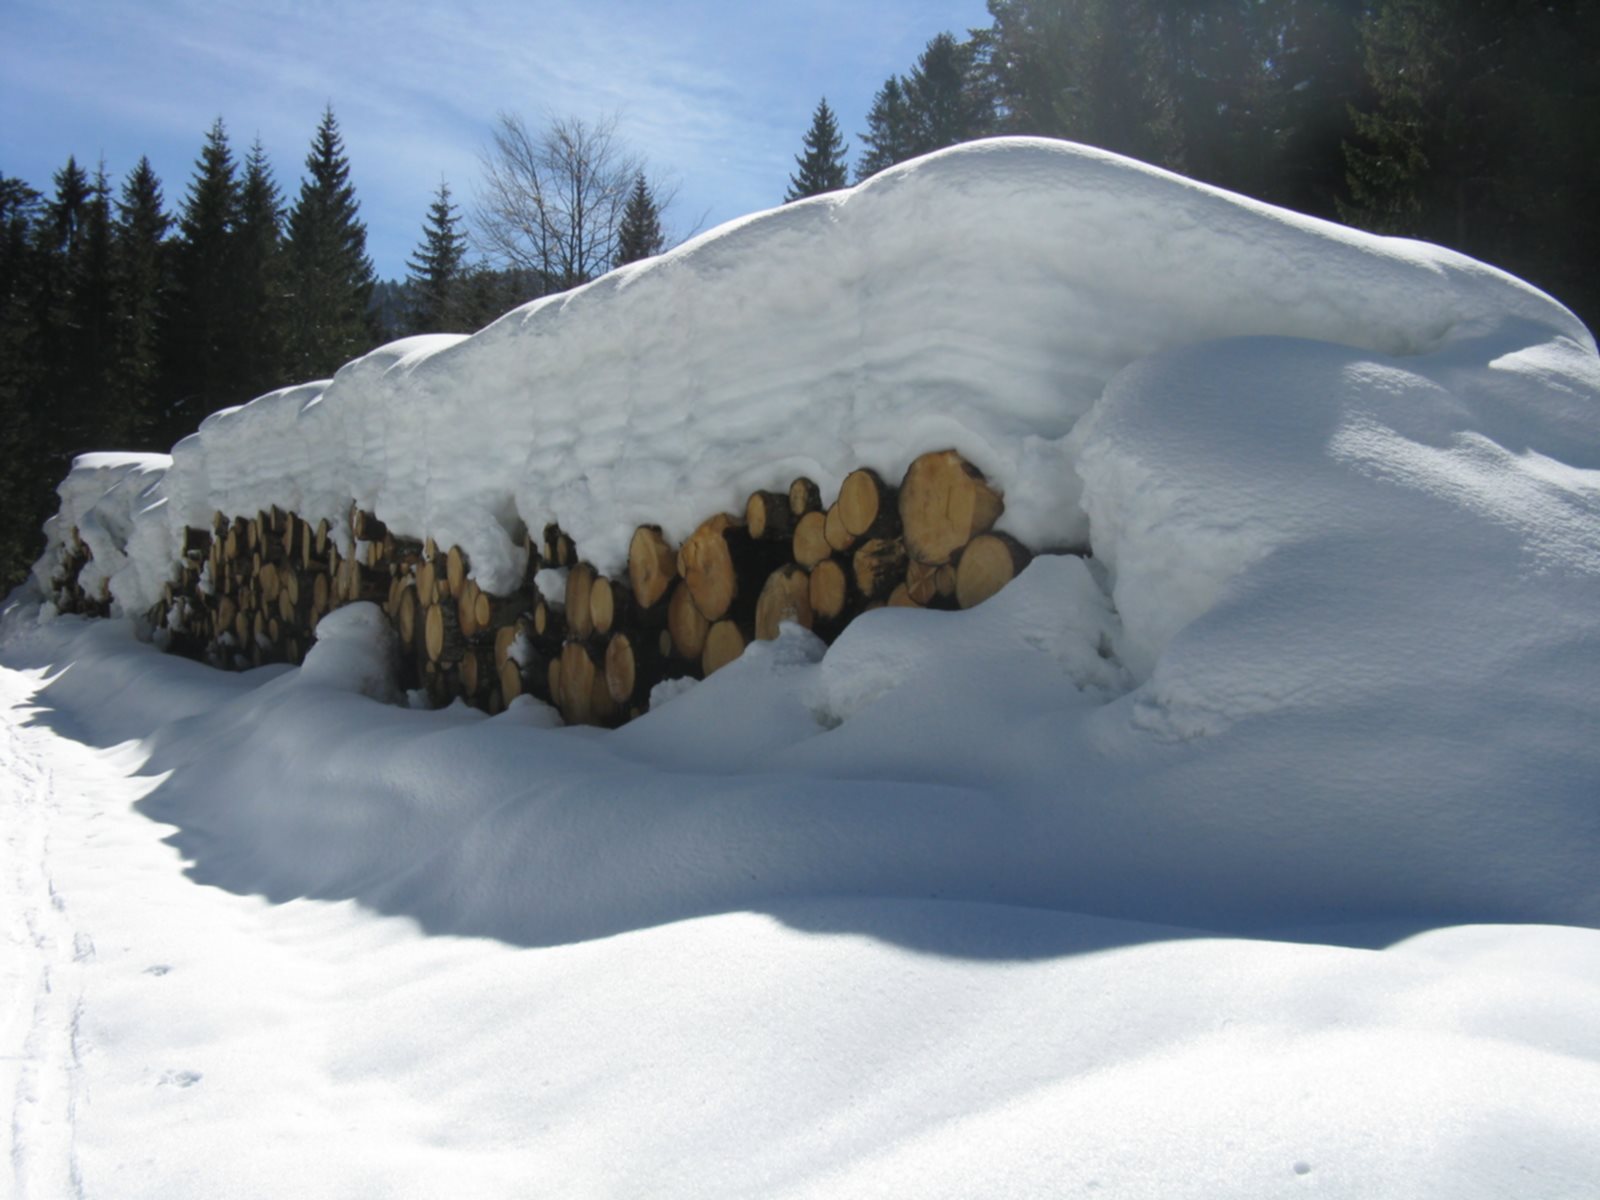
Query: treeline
x=1471, y=123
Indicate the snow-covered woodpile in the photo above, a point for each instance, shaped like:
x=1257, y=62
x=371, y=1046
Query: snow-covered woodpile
x=251, y=589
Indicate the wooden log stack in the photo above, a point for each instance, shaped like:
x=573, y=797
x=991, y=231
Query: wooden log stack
x=250, y=590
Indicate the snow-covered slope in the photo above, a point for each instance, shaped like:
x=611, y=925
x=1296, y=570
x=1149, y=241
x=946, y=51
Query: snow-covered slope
x=1336, y=659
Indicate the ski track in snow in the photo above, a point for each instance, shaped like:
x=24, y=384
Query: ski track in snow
x=44, y=981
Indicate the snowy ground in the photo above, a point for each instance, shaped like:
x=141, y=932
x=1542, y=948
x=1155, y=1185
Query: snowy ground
x=168, y=1031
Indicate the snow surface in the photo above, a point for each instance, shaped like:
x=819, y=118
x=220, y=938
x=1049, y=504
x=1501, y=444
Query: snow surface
x=1255, y=853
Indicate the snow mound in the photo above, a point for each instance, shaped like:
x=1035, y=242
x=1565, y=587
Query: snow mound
x=356, y=650
x=1335, y=658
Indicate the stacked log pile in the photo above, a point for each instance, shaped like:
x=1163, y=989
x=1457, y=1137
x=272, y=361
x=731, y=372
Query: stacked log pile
x=251, y=590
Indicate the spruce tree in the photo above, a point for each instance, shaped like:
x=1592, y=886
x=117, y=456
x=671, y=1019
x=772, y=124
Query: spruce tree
x=941, y=105
x=139, y=291
x=890, y=137
x=639, y=236
x=822, y=166
x=259, y=271
x=24, y=487
x=434, y=270
x=330, y=277
x=204, y=324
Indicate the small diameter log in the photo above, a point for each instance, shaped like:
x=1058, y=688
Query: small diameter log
x=810, y=544
x=478, y=674
x=768, y=517
x=900, y=598
x=878, y=567
x=455, y=569
x=428, y=581
x=549, y=622
x=611, y=606
x=833, y=530
x=829, y=591
x=804, y=497
x=633, y=667
x=945, y=502
x=580, y=582
x=652, y=565
x=725, y=641
x=442, y=634
x=467, y=607
x=493, y=613
x=514, y=681
x=867, y=505
x=989, y=562
x=406, y=617
x=684, y=622
x=786, y=597
x=366, y=527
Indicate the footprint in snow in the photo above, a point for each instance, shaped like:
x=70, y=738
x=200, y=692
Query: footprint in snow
x=181, y=1079
x=158, y=969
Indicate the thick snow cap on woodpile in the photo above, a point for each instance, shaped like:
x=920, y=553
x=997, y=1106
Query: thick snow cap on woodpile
x=979, y=298
x=1337, y=651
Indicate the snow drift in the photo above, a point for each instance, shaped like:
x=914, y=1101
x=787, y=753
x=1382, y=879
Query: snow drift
x=1336, y=656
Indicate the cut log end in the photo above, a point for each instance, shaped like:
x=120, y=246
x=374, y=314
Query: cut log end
x=944, y=503
x=989, y=562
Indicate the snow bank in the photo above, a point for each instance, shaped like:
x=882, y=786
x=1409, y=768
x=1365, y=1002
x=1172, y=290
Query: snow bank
x=1336, y=655
x=978, y=298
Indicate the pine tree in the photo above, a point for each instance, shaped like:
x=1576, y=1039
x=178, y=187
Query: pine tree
x=330, y=276
x=204, y=324
x=891, y=134
x=639, y=236
x=259, y=271
x=822, y=166
x=139, y=293
x=434, y=270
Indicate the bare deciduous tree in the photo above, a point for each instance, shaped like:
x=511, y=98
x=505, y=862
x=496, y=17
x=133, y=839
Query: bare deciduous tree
x=551, y=201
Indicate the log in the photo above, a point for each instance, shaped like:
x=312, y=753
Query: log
x=442, y=634
x=611, y=606
x=652, y=565
x=833, y=530
x=196, y=542
x=878, y=566
x=455, y=563
x=511, y=679
x=406, y=617
x=706, y=563
x=549, y=622
x=831, y=594
x=725, y=641
x=944, y=503
x=580, y=582
x=768, y=517
x=632, y=668
x=810, y=544
x=366, y=527
x=804, y=497
x=786, y=597
x=493, y=613
x=989, y=562
x=867, y=505
x=428, y=581
x=900, y=597
x=584, y=698
x=685, y=623
x=477, y=671
x=467, y=607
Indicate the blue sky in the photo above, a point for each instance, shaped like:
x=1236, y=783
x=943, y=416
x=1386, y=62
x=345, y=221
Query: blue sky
x=715, y=95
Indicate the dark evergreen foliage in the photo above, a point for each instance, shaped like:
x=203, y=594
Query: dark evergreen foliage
x=434, y=270
x=890, y=135
x=259, y=273
x=329, y=276
x=640, y=233
x=140, y=285
x=822, y=165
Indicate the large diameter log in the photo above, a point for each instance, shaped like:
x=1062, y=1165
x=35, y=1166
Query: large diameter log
x=768, y=517
x=989, y=562
x=867, y=505
x=810, y=544
x=584, y=697
x=652, y=565
x=685, y=623
x=944, y=503
x=828, y=589
x=786, y=597
x=706, y=563
x=878, y=567
x=725, y=641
